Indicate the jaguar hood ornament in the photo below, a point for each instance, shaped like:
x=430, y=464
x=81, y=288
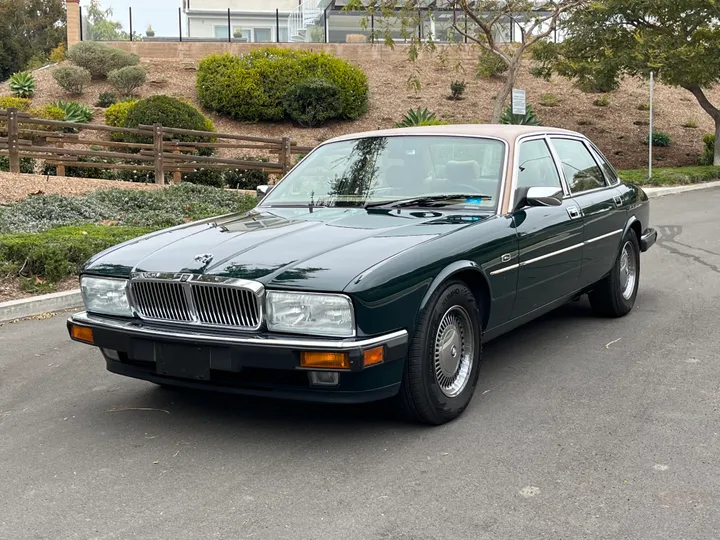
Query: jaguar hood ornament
x=203, y=258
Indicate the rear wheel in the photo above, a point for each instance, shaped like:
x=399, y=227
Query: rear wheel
x=614, y=295
x=444, y=357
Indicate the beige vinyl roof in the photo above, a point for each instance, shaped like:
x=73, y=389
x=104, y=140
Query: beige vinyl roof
x=501, y=131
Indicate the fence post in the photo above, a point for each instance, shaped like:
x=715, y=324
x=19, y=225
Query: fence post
x=177, y=175
x=13, y=142
x=285, y=156
x=60, y=169
x=158, y=154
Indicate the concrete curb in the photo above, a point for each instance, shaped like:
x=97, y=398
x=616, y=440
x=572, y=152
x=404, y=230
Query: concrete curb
x=662, y=191
x=48, y=303
x=37, y=305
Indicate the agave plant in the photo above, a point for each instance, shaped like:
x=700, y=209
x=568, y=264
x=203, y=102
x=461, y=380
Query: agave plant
x=419, y=117
x=75, y=112
x=22, y=84
x=528, y=119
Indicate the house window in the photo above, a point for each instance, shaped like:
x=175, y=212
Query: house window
x=262, y=35
x=241, y=33
x=221, y=32
x=284, y=35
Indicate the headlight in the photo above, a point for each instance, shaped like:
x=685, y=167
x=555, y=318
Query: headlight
x=105, y=295
x=310, y=313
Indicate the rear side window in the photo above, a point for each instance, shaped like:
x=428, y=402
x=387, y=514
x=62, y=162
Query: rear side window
x=581, y=170
x=610, y=173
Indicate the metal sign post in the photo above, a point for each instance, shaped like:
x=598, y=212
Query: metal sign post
x=518, y=102
x=650, y=136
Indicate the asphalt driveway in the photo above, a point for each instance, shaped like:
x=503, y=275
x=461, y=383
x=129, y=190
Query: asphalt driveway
x=580, y=428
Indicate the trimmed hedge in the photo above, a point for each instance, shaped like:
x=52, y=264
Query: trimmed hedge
x=671, y=176
x=312, y=102
x=61, y=252
x=128, y=79
x=72, y=79
x=100, y=59
x=169, y=112
x=253, y=86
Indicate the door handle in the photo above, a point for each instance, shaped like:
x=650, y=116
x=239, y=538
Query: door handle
x=618, y=200
x=573, y=212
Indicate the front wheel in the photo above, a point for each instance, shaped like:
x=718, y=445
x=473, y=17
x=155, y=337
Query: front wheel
x=614, y=295
x=444, y=357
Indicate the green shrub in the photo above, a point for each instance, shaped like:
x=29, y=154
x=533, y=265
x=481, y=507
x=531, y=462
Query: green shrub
x=708, y=154
x=205, y=177
x=549, y=100
x=313, y=102
x=61, y=252
x=490, y=65
x=106, y=99
x=528, y=119
x=128, y=79
x=457, y=89
x=48, y=112
x=253, y=86
x=72, y=79
x=58, y=54
x=659, y=138
x=116, y=114
x=22, y=84
x=27, y=165
x=602, y=101
x=419, y=117
x=691, y=124
x=155, y=209
x=643, y=107
x=248, y=178
x=75, y=112
x=21, y=104
x=169, y=112
x=100, y=59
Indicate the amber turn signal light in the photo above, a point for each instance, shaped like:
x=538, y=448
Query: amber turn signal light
x=324, y=360
x=82, y=333
x=373, y=356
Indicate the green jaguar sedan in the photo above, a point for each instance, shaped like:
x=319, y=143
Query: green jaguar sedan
x=375, y=269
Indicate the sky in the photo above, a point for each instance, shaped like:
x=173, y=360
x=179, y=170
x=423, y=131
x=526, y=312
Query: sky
x=161, y=14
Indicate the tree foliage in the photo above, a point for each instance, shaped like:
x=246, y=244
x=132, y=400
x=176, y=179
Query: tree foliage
x=678, y=40
x=29, y=29
x=101, y=26
x=485, y=23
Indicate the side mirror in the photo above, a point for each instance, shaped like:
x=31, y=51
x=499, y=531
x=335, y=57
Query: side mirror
x=544, y=196
x=262, y=191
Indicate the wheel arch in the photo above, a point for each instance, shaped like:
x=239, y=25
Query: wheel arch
x=473, y=276
x=633, y=223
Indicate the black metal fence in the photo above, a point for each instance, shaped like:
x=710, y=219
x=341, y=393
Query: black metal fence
x=328, y=23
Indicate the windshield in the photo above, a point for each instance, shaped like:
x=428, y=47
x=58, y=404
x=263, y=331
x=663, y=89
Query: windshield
x=373, y=170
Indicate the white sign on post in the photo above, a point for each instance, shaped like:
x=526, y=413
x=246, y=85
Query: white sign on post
x=518, y=101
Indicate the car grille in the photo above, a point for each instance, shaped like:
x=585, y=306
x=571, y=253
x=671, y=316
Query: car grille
x=206, y=300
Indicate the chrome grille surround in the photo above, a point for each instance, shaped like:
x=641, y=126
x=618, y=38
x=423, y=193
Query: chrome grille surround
x=194, y=299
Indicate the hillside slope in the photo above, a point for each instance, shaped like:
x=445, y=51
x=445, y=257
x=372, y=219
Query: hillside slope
x=616, y=128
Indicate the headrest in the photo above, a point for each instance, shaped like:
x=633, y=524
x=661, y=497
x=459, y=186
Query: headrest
x=462, y=170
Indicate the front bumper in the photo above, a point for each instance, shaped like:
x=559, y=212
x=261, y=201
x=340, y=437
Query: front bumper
x=257, y=364
x=647, y=239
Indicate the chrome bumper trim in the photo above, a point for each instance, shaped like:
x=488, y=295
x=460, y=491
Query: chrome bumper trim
x=142, y=329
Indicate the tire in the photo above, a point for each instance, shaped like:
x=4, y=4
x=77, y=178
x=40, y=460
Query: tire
x=439, y=382
x=614, y=296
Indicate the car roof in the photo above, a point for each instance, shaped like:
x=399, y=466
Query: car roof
x=508, y=133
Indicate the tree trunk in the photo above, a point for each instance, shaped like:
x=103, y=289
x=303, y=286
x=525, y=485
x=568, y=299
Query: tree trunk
x=714, y=112
x=505, y=91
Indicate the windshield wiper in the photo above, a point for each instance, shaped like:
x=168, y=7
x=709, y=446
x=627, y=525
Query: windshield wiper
x=426, y=200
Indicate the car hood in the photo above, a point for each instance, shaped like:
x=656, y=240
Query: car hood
x=292, y=248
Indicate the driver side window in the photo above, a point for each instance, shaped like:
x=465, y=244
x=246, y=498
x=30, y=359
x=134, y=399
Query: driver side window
x=537, y=167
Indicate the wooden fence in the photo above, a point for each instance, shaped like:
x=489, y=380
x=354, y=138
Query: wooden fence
x=61, y=144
